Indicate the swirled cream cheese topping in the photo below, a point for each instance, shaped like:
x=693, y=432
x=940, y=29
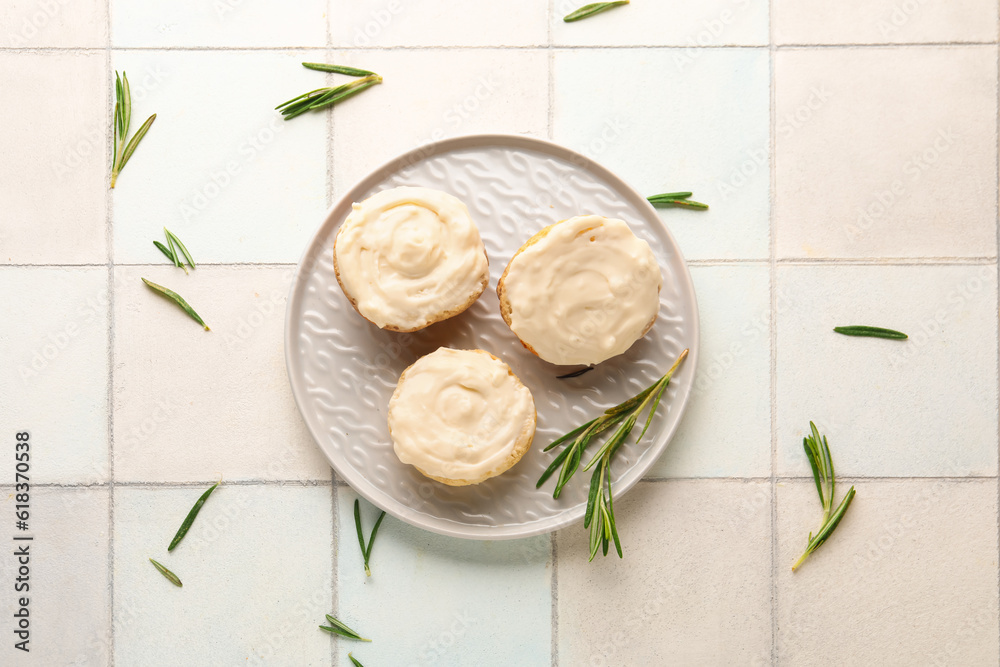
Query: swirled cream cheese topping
x=409, y=257
x=582, y=290
x=461, y=416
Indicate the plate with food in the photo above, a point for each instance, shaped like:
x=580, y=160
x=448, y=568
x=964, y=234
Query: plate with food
x=468, y=303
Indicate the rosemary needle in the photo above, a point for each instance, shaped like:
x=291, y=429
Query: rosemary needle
x=123, y=148
x=189, y=519
x=171, y=577
x=871, y=332
x=178, y=299
x=338, y=69
x=676, y=199
x=818, y=453
x=575, y=374
x=338, y=628
x=591, y=9
x=166, y=251
x=354, y=661
x=366, y=552
x=174, y=241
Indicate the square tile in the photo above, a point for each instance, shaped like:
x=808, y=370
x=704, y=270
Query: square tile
x=923, y=406
x=689, y=24
x=379, y=23
x=433, y=94
x=733, y=379
x=56, y=356
x=266, y=23
x=219, y=167
x=69, y=611
x=694, y=587
x=666, y=124
x=242, y=603
x=868, y=164
x=53, y=178
x=884, y=21
x=191, y=405
x=442, y=600
x=909, y=577
x=46, y=23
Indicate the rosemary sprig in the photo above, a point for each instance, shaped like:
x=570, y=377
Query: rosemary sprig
x=338, y=628
x=600, y=515
x=354, y=661
x=171, y=577
x=338, y=69
x=174, y=241
x=668, y=199
x=818, y=453
x=366, y=552
x=123, y=117
x=325, y=97
x=871, y=332
x=591, y=9
x=178, y=299
x=189, y=519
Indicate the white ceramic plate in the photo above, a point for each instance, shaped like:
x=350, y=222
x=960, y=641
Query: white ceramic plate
x=344, y=369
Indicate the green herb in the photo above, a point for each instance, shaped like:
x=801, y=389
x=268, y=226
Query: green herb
x=179, y=300
x=172, y=238
x=871, y=332
x=355, y=661
x=575, y=374
x=171, y=577
x=591, y=9
x=338, y=628
x=338, y=69
x=668, y=199
x=600, y=515
x=123, y=117
x=166, y=251
x=324, y=97
x=366, y=552
x=818, y=453
x=189, y=519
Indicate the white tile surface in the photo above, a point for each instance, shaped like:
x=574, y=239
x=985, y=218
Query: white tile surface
x=441, y=600
x=870, y=165
x=219, y=167
x=192, y=405
x=55, y=384
x=909, y=576
x=924, y=406
x=219, y=23
x=68, y=605
x=711, y=605
x=669, y=120
x=47, y=23
x=53, y=178
x=884, y=21
x=733, y=379
x=240, y=604
x=688, y=24
x=433, y=94
x=383, y=23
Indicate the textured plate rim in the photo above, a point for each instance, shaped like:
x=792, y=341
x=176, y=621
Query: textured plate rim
x=395, y=507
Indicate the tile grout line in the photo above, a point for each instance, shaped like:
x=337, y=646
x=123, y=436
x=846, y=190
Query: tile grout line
x=773, y=274
x=554, y=550
x=109, y=240
x=997, y=174
x=334, y=491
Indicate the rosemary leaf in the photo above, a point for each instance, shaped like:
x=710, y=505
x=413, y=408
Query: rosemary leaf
x=338, y=69
x=172, y=238
x=136, y=138
x=171, y=577
x=354, y=661
x=189, y=519
x=366, y=551
x=871, y=332
x=166, y=251
x=591, y=9
x=179, y=300
x=338, y=628
x=371, y=538
x=173, y=252
x=675, y=199
x=575, y=374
